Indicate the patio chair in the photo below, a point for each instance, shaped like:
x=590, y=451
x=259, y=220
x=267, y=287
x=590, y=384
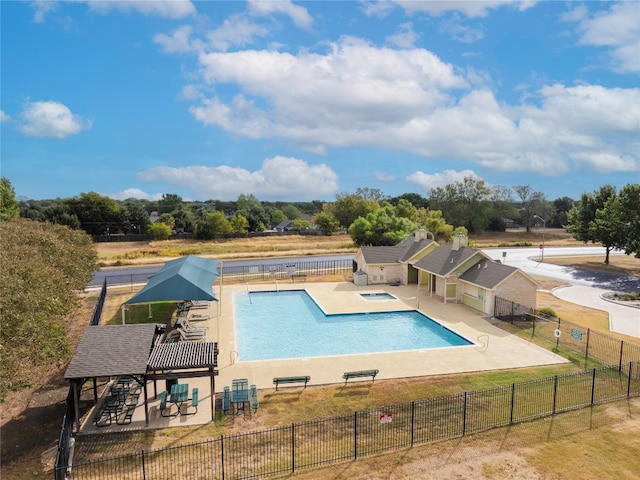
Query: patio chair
x=186, y=335
x=184, y=323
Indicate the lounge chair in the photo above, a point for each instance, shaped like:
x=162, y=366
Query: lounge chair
x=190, y=335
x=197, y=317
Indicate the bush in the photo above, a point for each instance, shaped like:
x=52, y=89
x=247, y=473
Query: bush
x=546, y=312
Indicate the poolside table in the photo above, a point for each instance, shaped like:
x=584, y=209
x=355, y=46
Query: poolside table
x=179, y=394
x=239, y=393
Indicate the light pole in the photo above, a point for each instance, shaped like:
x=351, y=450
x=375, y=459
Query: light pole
x=544, y=226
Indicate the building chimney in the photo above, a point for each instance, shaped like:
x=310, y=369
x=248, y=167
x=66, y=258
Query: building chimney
x=459, y=240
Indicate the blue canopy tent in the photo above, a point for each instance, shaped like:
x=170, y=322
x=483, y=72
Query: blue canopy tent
x=185, y=278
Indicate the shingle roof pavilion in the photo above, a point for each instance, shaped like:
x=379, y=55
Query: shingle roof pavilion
x=112, y=350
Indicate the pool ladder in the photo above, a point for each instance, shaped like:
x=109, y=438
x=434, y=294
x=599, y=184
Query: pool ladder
x=485, y=345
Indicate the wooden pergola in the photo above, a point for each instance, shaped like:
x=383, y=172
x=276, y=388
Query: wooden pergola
x=134, y=350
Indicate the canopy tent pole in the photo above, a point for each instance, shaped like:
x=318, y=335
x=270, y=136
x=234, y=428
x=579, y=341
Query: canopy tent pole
x=123, y=314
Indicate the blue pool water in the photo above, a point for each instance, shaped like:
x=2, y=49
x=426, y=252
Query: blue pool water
x=276, y=325
x=377, y=296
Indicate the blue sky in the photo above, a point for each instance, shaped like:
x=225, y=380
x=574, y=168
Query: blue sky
x=303, y=100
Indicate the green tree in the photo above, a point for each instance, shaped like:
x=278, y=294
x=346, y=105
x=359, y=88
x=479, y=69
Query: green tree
x=300, y=224
x=215, y=225
x=9, y=208
x=239, y=224
x=291, y=212
x=381, y=227
x=463, y=203
x=98, y=215
x=159, y=230
x=43, y=266
x=169, y=203
x=134, y=217
x=582, y=219
x=255, y=213
x=327, y=223
x=528, y=201
x=618, y=222
x=184, y=219
x=348, y=207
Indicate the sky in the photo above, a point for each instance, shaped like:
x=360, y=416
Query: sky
x=301, y=101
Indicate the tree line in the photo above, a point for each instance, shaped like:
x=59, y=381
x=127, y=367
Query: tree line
x=371, y=218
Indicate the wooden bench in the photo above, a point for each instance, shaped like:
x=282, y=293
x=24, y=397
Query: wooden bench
x=279, y=380
x=360, y=374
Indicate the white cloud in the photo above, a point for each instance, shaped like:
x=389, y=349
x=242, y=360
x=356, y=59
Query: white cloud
x=471, y=9
x=4, y=117
x=455, y=28
x=404, y=38
x=428, y=181
x=299, y=15
x=278, y=178
x=408, y=100
x=617, y=29
x=51, y=119
x=161, y=8
x=179, y=41
x=384, y=177
x=135, y=193
x=235, y=31
x=42, y=8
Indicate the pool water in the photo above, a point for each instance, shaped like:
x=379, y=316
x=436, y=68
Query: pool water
x=377, y=296
x=278, y=325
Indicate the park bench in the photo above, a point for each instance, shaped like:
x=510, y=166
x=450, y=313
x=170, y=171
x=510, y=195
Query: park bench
x=299, y=276
x=279, y=380
x=360, y=374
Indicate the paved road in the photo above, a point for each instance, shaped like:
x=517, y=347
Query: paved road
x=587, y=286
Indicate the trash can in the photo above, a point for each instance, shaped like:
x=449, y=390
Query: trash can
x=170, y=381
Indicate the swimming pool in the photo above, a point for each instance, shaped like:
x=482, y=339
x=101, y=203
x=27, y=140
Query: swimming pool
x=289, y=324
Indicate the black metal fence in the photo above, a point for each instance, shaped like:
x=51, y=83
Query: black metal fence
x=292, y=271
x=591, y=344
x=63, y=455
x=286, y=449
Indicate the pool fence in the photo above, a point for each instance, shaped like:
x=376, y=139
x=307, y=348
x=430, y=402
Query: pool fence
x=307, y=445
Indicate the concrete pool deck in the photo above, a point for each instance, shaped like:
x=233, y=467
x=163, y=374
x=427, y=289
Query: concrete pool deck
x=493, y=347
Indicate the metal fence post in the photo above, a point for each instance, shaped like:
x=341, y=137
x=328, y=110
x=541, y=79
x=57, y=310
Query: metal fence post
x=629, y=380
x=293, y=447
x=555, y=392
x=586, y=350
x=513, y=395
x=593, y=386
x=464, y=415
x=222, y=455
x=355, y=435
x=621, y=351
x=144, y=469
x=413, y=416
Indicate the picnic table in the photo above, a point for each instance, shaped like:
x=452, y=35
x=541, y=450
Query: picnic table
x=179, y=394
x=239, y=393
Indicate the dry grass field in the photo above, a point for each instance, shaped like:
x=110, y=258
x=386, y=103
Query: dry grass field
x=592, y=443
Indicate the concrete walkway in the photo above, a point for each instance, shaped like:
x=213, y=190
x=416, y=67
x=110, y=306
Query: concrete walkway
x=622, y=319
